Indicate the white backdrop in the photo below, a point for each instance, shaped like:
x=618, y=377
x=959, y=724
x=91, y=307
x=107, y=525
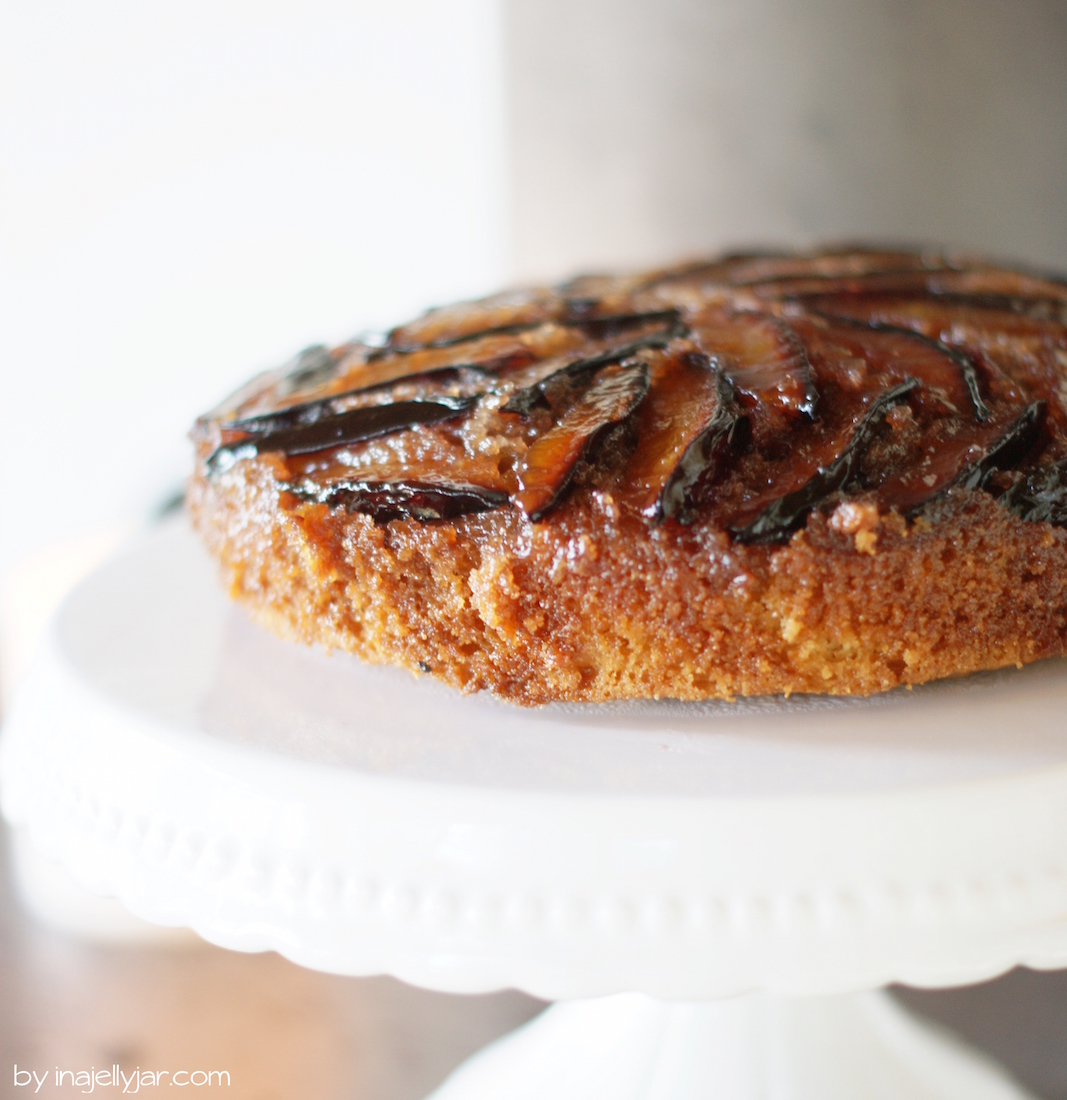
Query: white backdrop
x=191, y=192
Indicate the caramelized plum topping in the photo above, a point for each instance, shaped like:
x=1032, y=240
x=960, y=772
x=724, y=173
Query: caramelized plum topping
x=1040, y=497
x=684, y=429
x=558, y=387
x=442, y=384
x=353, y=426
x=964, y=460
x=945, y=316
x=386, y=500
x=549, y=463
x=789, y=512
x=899, y=352
x=739, y=393
x=766, y=364
x=916, y=283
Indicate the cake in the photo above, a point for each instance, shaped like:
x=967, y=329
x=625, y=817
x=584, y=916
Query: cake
x=834, y=472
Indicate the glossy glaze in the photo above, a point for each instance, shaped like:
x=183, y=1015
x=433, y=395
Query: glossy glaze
x=741, y=393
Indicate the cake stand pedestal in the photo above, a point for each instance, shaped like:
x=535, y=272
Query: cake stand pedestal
x=757, y=1046
x=712, y=887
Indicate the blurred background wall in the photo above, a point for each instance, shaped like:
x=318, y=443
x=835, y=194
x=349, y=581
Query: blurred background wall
x=192, y=192
x=639, y=131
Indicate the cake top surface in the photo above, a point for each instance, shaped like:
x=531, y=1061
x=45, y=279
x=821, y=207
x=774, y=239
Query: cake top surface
x=741, y=392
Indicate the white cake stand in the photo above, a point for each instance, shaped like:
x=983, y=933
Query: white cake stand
x=708, y=890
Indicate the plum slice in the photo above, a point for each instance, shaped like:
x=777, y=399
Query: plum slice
x=353, y=426
x=548, y=465
x=862, y=371
x=684, y=429
x=764, y=360
x=917, y=283
x=386, y=500
x=989, y=315
x=440, y=384
x=1007, y=448
x=1041, y=496
x=894, y=353
x=580, y=313
x=1015, y=342
x=965, y=460
x=495, y=359
x=787, y=513
x=488, y=357
x=558, y=388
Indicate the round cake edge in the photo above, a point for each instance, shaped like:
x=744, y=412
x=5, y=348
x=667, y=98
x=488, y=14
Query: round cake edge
x=593, y=604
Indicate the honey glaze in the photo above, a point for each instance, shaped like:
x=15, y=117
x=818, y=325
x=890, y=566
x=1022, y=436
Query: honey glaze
x=738, y=395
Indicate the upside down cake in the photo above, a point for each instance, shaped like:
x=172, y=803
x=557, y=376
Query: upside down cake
x=836, y=472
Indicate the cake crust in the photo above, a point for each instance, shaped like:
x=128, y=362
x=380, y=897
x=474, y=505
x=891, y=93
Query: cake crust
x=834, y=473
